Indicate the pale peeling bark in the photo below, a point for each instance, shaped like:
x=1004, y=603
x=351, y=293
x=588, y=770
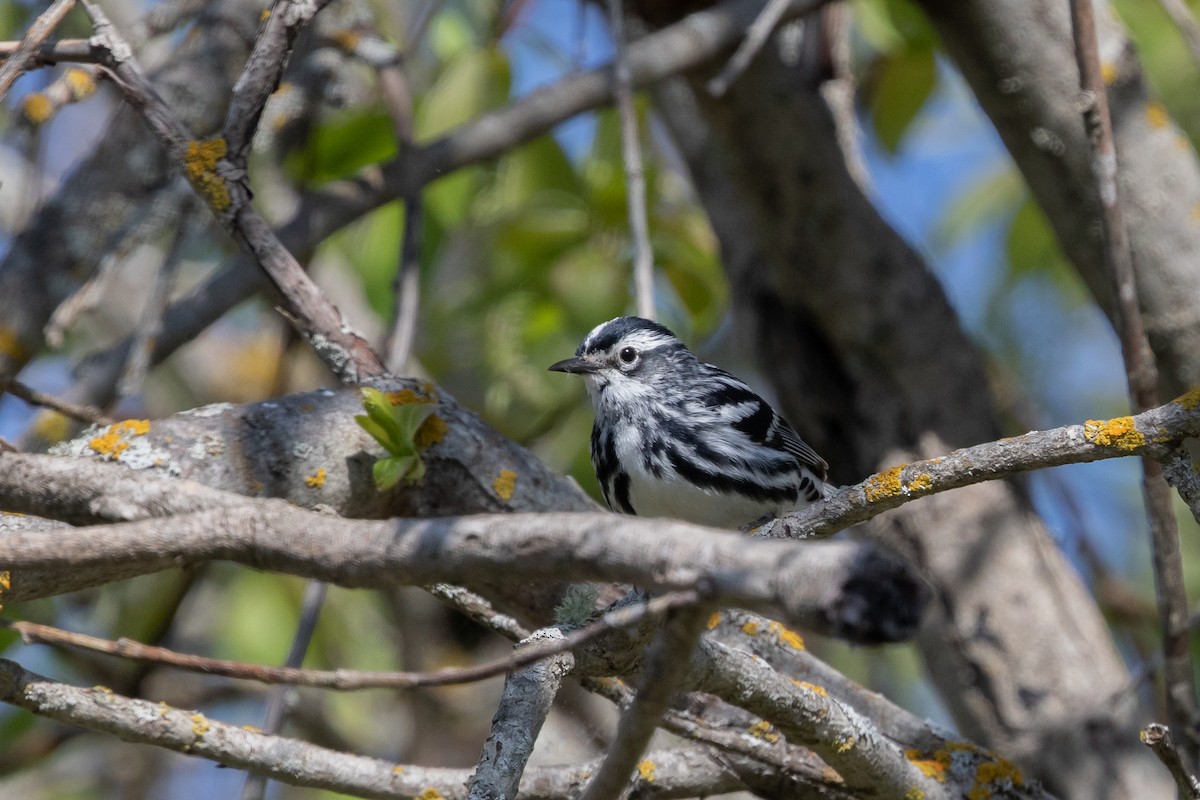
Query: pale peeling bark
x=873, y=367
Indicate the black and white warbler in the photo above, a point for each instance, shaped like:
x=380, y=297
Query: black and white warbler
x=676, y=437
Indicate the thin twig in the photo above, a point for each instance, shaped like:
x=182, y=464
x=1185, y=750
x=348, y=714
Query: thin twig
x=221, y=183
x=756, y=37
x=479, y=610
x=282, y=697
x=150, y=324
x=1142, y=378
x=406, y=287
x=348, y=679
x=1158, y=738
x=51, y=53
x=39, y=31
x=264, y=66
x=667, y=663
x=87, y=414
x=1185, y=21
x=635, y=176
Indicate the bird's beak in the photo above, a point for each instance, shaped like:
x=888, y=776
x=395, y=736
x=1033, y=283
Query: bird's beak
x=576, y=365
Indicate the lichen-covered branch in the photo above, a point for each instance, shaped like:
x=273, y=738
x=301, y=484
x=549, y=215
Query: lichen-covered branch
x=1151, y=433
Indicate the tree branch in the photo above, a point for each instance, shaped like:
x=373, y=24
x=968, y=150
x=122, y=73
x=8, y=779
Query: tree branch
x=665, y=667
x=17, y=61
x=524, y=705
x=1141, y=375
x=1150, y=433
x=351, y=679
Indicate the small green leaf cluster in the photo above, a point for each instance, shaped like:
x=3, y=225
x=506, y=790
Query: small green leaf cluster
x=395, y=428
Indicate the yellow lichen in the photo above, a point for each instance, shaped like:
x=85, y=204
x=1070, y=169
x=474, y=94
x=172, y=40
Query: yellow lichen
x=762, y=730
x=398, y=770
x=647, y=768
x=252, y=728
x=786, y=636
x=37, y=108
x=1120, y=433
x=1108, y=73
x=936, y=766
x=5, y=585
x=883, y=485
x=919, y=484
x=316, y=480
x=845, y=745
x=80, y=82
x=111, y=443
x=432, y=431
x=430, y=793
x=51, y=426
x=750, y=628
x=11, y=346
x=424, y=393
x=200, y=725
x=714, y=620
x=914, y=794
x=998, y=770
x=1157, y=116
x=505, y=484
x=163, y=709
x=812, y=687
x=200, y=164
x=1189, y=400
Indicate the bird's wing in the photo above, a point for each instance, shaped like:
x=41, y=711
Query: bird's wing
x=741, y=408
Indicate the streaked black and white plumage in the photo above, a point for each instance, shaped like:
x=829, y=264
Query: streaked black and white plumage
x=676, y=437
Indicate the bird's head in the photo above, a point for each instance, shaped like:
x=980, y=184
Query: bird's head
x=628, y=354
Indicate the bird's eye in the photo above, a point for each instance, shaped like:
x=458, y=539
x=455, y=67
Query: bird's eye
x=628, y=355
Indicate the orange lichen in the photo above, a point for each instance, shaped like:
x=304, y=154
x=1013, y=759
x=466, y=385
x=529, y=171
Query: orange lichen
x=883, y=485
x=1120, y=433
x=762, y=730
x=750, y=628
x=1157, y=116
x=432, y=431
x=37, y=108
x=714, y=620
x=1000, y=769
x=316, y=480
x=1189, y=400
x=200, y=163
x=786, y=636
x=81, y=83
x=812, y=687
x=424, y=393
x=430, y=793
x=111, y=443
x=5, y=585
x=647, y=769
x=936, y=766
x=505, y=483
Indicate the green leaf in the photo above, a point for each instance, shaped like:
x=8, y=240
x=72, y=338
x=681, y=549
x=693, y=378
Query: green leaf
x=395, y=427
x=390, y=471
x=343, y=144
x=900, y=85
